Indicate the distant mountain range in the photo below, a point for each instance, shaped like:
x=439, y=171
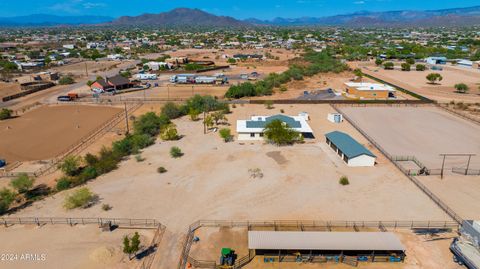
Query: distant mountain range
x=52, y=20
x=182, y=17
x=446, y=17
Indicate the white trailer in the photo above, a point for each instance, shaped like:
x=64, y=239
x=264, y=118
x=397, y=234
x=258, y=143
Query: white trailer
x=205, y=80
x=146, y=76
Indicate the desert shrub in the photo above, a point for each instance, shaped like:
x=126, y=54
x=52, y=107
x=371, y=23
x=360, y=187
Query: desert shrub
x=106, y=207
x=344, y=181
x=87, y=174
x=80, y=198
x=226, y=134
x=410, y=61
x=90, y=159
x=63, y=184
x=65, y=80
x=139, y=158
x=5, y=113
x=6, y=199
x=169, y=132
x=279, y=133
x=161, y=170
x=171, y=110
x=149, y=123
x=176, y=152
x=22, y=183
x=433, y=77
x=70, y=166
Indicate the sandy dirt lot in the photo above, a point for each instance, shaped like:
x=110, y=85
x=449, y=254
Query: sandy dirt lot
x=424, y=132
x=416, y=81
x=10, y=88
x=459, y=192
x=68, y=247
x=91, y=67
x=45, y=132
x=211, y=181
x=423, y=252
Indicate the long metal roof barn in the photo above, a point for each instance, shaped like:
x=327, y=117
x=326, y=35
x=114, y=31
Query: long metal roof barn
x=378, y=241
x=349, y=146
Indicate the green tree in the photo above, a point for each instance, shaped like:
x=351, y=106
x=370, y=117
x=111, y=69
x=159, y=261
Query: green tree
x=6, y=199
x=378, y=62
x=461, y=87
x=5, y=113
x=22, y=183
x=219, y=116
x=208, y=121
x=420, y=67
x=231, y=61
x=433, y=77
x=226, y=135
x=410, y=61
x=131, y=246
x=71, y=165
x=405, y=67
x=279, y=133
x=388, y=66
x=80, y=198
x=193, y=113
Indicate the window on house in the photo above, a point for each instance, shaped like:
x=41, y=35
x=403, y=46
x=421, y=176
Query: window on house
x=252, y=134
x=261, y=134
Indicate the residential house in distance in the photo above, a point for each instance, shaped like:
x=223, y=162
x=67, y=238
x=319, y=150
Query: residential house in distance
x=365, y=90
x=253, y=129
x=111, y=83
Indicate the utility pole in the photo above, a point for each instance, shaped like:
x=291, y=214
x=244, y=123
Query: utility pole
x=126, y=118
x=443, y=166
x=86, y=69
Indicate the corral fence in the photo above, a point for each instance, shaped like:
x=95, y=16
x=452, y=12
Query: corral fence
x=51, y=165
x=298, y=225
x=422, y=187
x=459, y=114
x=119, y=222
x=421, y=171
x=466, y=172
x=345, y=102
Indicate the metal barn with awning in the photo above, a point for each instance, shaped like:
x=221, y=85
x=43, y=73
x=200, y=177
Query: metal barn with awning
x=352, y=152
x=366, y=246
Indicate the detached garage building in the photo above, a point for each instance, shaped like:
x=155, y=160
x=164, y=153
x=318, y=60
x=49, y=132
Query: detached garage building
x=291, y=246
x=352, y=152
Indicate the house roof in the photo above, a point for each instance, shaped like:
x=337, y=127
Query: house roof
x=118, y=80
x=354, y=241
x=349, y=146
x=102, y=83
x=291, y=122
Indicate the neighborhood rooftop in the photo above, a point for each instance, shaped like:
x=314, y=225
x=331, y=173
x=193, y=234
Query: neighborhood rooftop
x=349, y=146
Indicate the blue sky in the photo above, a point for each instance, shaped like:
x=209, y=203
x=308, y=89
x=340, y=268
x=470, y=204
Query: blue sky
x=263, y=9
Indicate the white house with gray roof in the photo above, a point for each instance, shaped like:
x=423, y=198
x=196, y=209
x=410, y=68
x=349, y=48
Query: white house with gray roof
x=253, y=129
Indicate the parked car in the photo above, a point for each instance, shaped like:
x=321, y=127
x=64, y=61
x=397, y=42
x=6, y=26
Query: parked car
x=64, y=98
x=3, y=163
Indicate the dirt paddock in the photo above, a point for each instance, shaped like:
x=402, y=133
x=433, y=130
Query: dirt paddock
x=47, y=131
x=424, y=132
x=212, y=181
x=63, y=246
